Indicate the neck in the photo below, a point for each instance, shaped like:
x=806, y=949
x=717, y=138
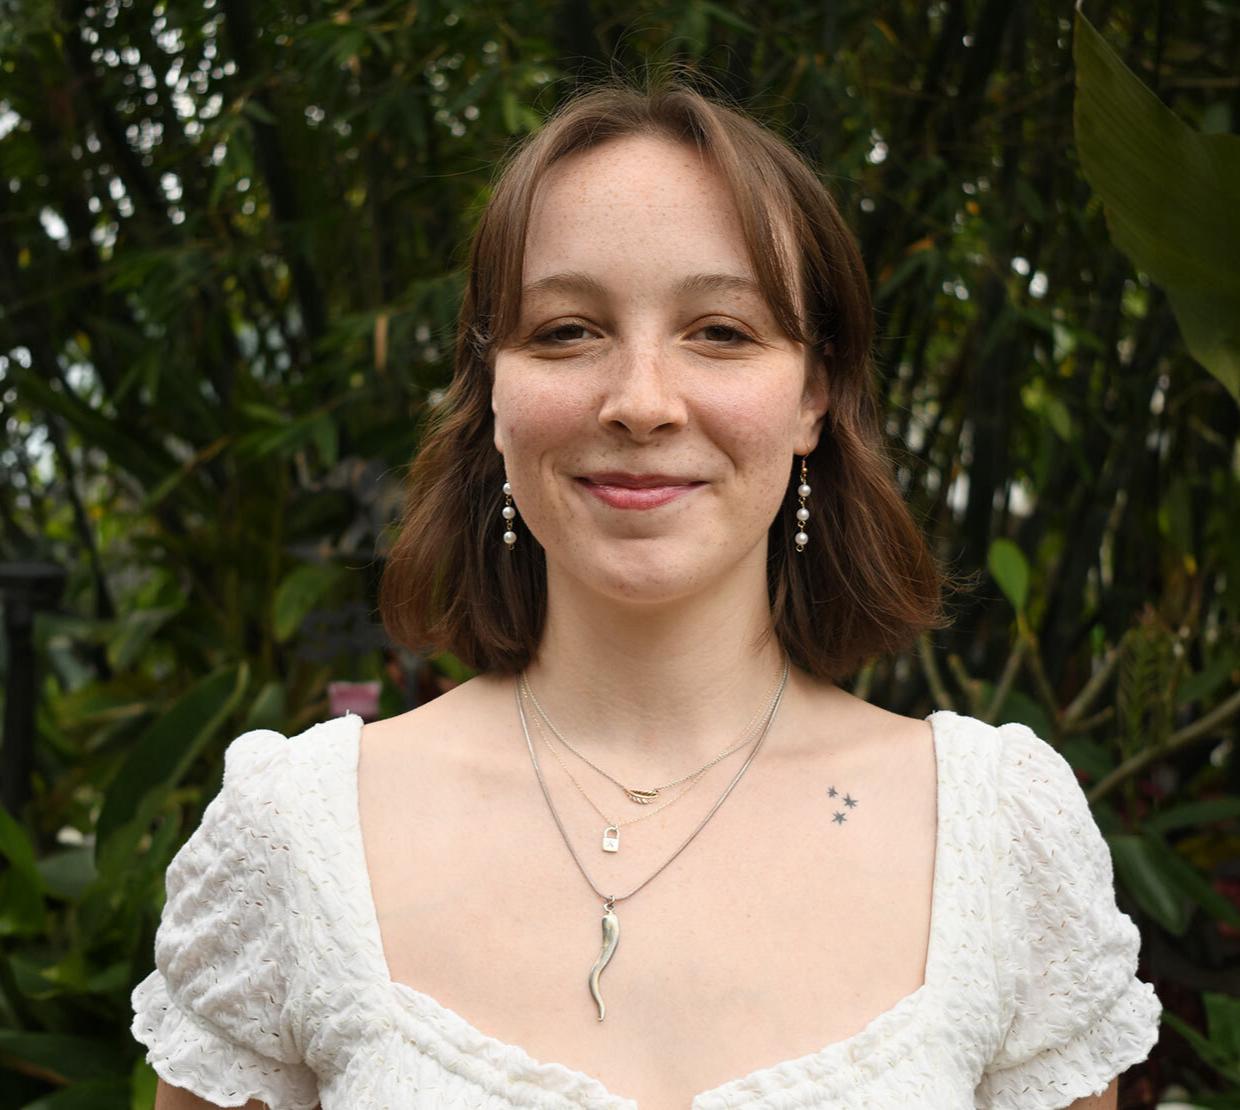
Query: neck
x=667, y=687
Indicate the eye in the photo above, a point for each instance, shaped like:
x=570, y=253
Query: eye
x=554, y=336
x=548, y=335
x=741, y=337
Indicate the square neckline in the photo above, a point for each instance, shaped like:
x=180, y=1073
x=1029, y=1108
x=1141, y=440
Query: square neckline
x=516, y=1062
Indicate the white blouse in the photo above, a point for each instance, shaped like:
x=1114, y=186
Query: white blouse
x=270, y=979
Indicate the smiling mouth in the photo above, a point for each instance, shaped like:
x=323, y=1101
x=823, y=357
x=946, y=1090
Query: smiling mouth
x=637, y=497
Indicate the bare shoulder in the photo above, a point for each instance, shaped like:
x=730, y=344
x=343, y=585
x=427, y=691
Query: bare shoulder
x=900, y=747
x=876, y=722
x=461, y=707
x=854, y=723
x=448, y=732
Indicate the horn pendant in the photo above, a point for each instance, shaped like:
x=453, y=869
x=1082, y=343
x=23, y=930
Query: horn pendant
x=611, y=937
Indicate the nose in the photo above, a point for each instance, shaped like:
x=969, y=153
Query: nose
x=641, y=392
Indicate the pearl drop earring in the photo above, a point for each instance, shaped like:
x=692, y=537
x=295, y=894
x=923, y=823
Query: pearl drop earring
x=803, y=491
x=508, y=513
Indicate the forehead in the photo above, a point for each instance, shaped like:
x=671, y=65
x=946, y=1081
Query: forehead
x=632, y=203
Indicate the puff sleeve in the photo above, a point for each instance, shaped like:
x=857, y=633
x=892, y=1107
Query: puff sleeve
x=1067, y=953
x=215, y=1013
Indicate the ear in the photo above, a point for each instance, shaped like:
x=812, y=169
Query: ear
x=815, y=400
x=497, y=437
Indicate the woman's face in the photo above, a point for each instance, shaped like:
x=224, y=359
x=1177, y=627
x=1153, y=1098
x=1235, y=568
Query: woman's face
x=619, y=363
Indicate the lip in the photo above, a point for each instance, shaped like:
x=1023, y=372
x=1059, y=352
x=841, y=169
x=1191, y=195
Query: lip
x=637, y=497
x=635, y=481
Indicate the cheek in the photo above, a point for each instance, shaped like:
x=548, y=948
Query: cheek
x=756, y=431
x=536, y=416
x=757, y=435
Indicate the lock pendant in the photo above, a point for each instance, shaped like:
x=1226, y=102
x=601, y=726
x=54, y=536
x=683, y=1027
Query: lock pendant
x=611, y=839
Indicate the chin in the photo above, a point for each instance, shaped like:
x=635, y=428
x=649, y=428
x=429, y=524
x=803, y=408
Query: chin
x=651, y=577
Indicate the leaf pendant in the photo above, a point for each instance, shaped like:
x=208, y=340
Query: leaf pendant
x=611, y=937
x=642, y=797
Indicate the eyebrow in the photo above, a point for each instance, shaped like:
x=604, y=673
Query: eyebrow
x=575, y=281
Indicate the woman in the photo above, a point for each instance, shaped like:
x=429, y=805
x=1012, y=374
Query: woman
x=654, y=512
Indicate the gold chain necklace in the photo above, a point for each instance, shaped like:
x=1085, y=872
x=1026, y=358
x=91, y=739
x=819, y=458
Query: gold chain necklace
x=644, y=797
x=611, y=831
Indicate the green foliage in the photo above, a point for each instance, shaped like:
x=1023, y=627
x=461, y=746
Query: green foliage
x=1171, y=198
x=230, y=264
x=1010, y=569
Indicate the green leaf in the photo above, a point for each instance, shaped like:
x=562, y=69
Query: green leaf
x=1222, y=1019
x=323, y=431
x=1009, y=567
x=723, y=15
x=160, y=757
x=299, y=593
x=288, y=435
x=1189, y=815
x=21, y=886
x=509, y=111
x=255, y=110
x=134, y=631
x=918, y=261
x=67, y=872
x=1214, y=677
x=1199, y=889
x=98, y=1094
x=177, y=478
x=1165, y=884
x=62, y=1055
x=1169, y=193
x=1223, y=1025
x=127, y=448
x=268, y=707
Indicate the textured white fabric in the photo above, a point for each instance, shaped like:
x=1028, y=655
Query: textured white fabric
x=270, y=980
x=214, y=1012
x=1068, y=953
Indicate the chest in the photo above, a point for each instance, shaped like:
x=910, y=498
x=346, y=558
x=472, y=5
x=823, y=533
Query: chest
x=798, y=914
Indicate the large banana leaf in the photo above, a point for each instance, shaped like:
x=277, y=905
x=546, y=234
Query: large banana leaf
x=1171, y=196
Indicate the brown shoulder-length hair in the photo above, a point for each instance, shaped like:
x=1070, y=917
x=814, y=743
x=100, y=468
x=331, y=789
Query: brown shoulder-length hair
x=866, y=584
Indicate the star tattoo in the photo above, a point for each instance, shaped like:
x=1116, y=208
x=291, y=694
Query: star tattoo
x=839, y=816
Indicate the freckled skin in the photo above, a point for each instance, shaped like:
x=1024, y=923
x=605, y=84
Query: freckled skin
x=642, y=380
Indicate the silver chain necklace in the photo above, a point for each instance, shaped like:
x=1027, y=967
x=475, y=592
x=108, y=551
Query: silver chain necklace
x=611, y=832
x=610, y=922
